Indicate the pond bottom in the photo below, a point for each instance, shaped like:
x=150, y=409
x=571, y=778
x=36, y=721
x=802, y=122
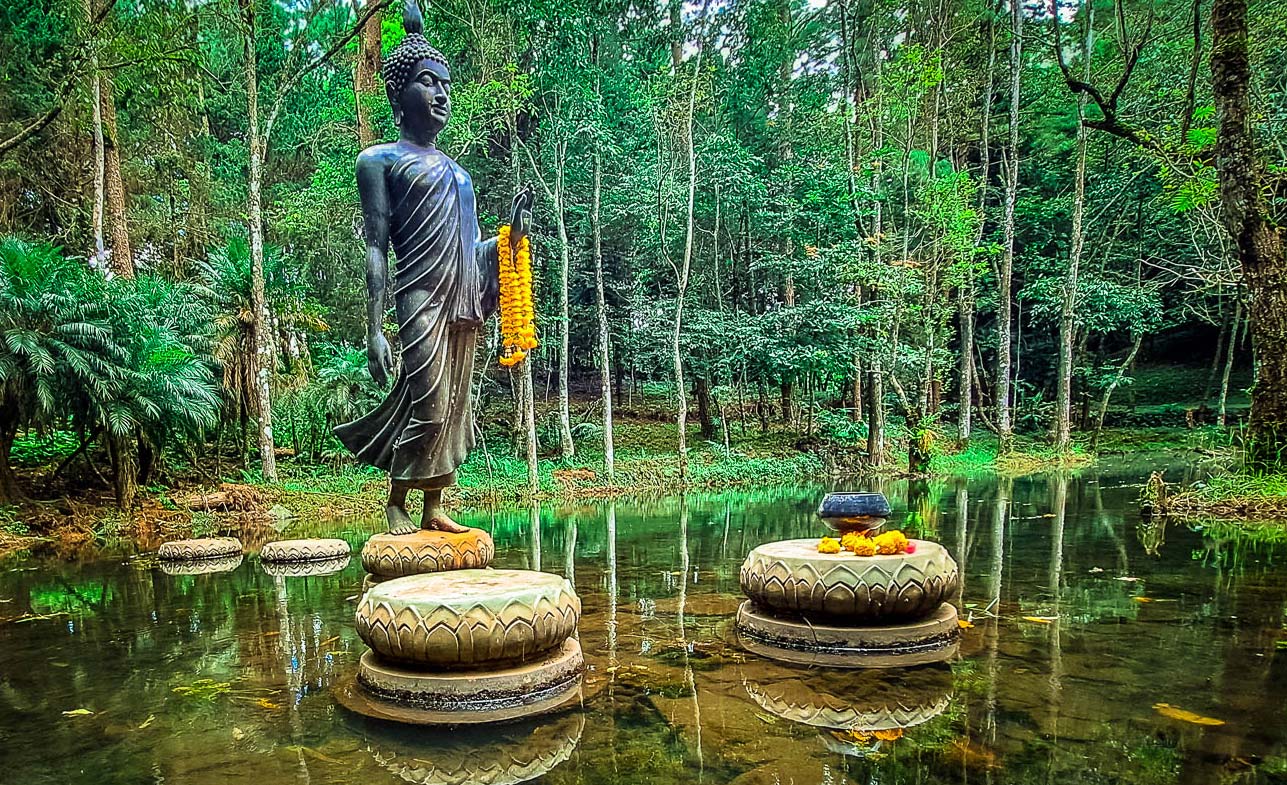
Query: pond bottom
x=801, y=642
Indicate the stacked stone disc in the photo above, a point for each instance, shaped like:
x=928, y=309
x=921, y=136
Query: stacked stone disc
x=203, y=556
x=302, y=558
x=455, y=643
x=843, y=610
x=388, y=556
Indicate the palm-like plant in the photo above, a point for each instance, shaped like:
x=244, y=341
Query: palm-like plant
x=56, y=343
x=226, y=275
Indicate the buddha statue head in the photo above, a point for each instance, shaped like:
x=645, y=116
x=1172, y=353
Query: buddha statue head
x=417, y=80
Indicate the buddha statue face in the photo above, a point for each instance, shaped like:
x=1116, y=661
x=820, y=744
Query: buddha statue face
x=424, y=105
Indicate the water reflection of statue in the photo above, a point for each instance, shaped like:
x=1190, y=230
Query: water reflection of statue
x=446, y=285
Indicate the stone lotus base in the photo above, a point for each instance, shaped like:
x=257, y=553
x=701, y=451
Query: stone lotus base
x=465, y=697
x=304, y=569
x=507, y=754
x=397, y=555
x=204, y=548
x=465, y=619
x=303, y=550
x=798, y=641
x=209, y=566
x=791, y=577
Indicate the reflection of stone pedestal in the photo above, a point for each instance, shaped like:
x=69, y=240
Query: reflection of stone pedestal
x=397, y=555
x=843, y=610
x=205, y=566
x=467, y=646
x=281, y=551
x=502, y=755
x=856, y=712
x=303, y=569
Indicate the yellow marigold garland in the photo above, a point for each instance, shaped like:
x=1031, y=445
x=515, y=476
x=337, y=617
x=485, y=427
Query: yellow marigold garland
x=868, y=543
x=518, y=317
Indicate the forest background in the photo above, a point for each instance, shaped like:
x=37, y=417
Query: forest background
x=795, y=238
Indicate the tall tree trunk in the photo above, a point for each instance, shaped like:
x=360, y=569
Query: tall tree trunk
x=605, y=371
x=681, y=413
x=366, y=89
x=1063, y=395
x=1257, y=239
x=122, y=259
x=96, y=212
x=1005, y=425
x=965, y=413
x=702, y=392
x=262, y=365
x=566, y=446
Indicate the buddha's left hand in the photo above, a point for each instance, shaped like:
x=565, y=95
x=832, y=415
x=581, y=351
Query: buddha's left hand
x=521, y=212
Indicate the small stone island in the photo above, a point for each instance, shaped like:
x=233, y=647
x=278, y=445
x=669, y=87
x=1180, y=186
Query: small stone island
x=865, y=600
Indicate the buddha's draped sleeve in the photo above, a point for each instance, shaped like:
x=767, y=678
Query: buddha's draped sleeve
x=489, y=275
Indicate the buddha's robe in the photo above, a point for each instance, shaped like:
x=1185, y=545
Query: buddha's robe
x=445, y=286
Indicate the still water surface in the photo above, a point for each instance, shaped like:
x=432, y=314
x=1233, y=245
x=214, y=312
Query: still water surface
x=1084, y=622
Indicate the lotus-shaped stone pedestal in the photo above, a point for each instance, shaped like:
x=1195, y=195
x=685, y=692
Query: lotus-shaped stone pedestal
x=467, y=647
x=846, y=610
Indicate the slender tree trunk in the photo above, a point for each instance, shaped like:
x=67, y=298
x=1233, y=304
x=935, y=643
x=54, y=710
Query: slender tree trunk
x=1216, y=355
x=99, y=171
x=965, y=414
x=876, y=422
x=1063, y=395
x=566, y=446
x=702, y=392
x=681, y=415
x=366, y=88
x=263, y=363
x=1230, y=351
x=1117, y=380
x=1257, y=239
x=1005, y=425
x=605, y=352
x=122, y=259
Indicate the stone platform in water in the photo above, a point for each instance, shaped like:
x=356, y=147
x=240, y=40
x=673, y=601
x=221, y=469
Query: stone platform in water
x=396, y=555
x=792, y=577
x=467, y=647
x=280, y=551
x=890, y=645
x=467, y=697
x=304, y=569
x=468, y=618
x=210, y=566
x=203, y=548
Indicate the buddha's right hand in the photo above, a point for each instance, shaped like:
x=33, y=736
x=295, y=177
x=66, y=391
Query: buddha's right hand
x=379, y=357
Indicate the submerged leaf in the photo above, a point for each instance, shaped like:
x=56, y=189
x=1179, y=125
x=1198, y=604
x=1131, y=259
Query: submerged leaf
x=78, y=713
x=1038, y=619
x=1176, y=713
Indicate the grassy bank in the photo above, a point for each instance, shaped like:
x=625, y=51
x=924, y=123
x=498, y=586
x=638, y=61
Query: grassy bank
x=1232, y=495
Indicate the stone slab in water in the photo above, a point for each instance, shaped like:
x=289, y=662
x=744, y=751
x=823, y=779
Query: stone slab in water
x=886, y=646
x=203, y=548
x=210, y=566
x=791, y=576
x=406, y=694
x=303, y=550
x=397, y=555
x=467, y=618
x=304, y=569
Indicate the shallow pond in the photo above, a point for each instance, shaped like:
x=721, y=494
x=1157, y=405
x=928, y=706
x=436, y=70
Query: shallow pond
x=1102, y=651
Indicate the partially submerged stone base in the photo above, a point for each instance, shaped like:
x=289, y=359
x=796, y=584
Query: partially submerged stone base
x=404, y=694
x=804, y=642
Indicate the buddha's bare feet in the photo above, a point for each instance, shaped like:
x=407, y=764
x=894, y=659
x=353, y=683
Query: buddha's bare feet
x=399, y=521
x=440, y=521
